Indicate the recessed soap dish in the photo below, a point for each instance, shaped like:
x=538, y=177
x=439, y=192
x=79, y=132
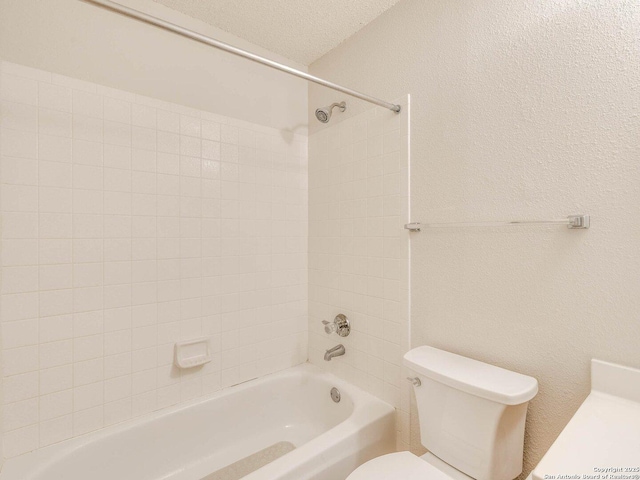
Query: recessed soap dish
x=192, y=353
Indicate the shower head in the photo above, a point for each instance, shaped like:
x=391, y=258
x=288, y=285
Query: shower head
x=324, y=114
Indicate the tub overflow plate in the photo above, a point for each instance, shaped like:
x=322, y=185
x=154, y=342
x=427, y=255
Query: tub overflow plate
x=335, y=394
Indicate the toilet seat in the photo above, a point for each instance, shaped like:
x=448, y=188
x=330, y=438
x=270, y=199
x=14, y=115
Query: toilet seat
x=395, y=466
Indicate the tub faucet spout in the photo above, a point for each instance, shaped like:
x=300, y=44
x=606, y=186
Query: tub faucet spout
x=336, y=351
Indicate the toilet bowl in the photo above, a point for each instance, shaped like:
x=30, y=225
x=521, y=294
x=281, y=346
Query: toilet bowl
x=407, y=466
x=472, y=418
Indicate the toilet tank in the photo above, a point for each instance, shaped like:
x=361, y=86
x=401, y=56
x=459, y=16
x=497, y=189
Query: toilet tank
x=472, y=414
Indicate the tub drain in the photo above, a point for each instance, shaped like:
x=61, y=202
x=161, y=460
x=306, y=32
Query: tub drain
x=335, y=394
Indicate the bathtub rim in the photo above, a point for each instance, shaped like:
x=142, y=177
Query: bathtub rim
x=27, y=465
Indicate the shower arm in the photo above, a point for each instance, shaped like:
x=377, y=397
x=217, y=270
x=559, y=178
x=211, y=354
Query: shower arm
x=172, y=27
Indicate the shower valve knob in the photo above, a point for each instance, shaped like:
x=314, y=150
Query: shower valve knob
x=329, y=327
x=340, y=325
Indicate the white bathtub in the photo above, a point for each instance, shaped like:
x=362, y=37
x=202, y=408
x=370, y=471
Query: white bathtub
x=191, y=442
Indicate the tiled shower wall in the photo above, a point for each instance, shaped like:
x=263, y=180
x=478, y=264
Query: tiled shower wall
x=359, y=251
x=129, y=224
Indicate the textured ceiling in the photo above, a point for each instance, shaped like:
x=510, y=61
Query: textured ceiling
x=301, y=30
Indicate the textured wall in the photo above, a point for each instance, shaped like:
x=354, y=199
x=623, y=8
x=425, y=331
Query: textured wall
x=130, y=224
x=302, y=30
x=520, y=110
x=359, y=251
x=79, y=40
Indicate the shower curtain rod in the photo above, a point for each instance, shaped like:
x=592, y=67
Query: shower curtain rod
x=171, y=27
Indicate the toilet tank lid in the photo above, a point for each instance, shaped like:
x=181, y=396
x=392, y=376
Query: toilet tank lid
x=471, y=376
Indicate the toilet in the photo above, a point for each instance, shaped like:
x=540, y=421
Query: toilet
x=472, y=418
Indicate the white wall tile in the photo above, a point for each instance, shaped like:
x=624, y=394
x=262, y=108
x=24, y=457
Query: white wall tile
x=117, y=156
x=55, y=379
x=88, y=104
x=21, y=387
x=54, y=174
x=168, y=121
x=54, y=97
x=22, y=440
x=116, y=110
x=358, y=252
x=88, y=323
x=52, y=329
x=88, y=420
x=18, y=116
x=54, y=123
x=16, y=143
x=57, y=302
x=87, y=153
x=117, y=133
x=129, y=225
x=21, y=360
x=190, y=126
x=20, y=306
x=19, y=280
x=20, y=225
x=56, y=354
x=88, y=128
x=118, y=411
x=18, y=89
x=88, y=396
x=55, y=430
x=88, y=372
x=54, y=149
x=143, y=116
x=20, y=333
x=20, y=414
x=55, y=277
x=117, y=388
x=19, y=252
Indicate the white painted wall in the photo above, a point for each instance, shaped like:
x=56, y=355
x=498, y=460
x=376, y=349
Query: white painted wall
x=77, y=39
x=519, y=110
